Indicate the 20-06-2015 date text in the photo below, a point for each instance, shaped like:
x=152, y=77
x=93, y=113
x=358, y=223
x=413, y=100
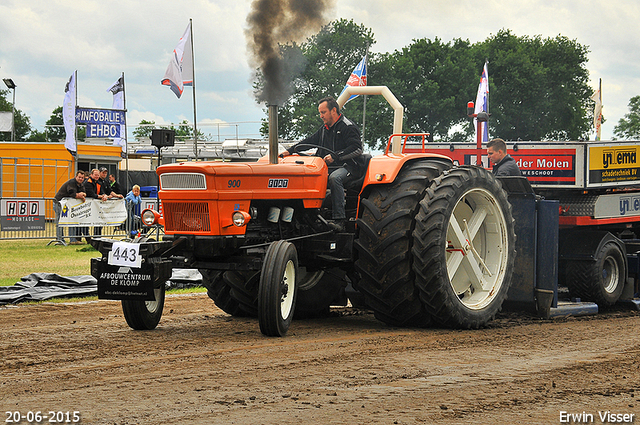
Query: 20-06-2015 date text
x=36, y=417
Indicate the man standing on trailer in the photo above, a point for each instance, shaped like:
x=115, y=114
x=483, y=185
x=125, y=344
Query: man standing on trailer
x=503, y=164
x=343, y=138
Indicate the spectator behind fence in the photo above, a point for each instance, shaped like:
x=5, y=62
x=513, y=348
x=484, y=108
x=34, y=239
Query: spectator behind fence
x=105, y=185
x=83, y=230
x=95, y=190
x=73, y=188
x=114, y=185
x=133, y=209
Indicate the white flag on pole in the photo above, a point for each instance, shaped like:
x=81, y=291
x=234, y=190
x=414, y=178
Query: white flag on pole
x=179, y=73
x=69, y=114
x=118, y=103
x=482, y=102
x=597, y=113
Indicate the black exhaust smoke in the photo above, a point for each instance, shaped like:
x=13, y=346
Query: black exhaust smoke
x=272, y=24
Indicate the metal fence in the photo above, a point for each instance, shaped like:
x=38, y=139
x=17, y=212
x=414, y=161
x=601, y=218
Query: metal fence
x=126, y=230
x=33, y=177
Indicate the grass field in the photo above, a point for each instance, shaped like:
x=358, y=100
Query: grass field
x=20, y=258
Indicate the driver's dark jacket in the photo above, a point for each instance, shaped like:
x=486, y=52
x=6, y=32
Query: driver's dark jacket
x=343, y=138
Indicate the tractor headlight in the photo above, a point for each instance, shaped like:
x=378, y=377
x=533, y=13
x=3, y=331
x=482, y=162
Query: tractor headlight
x=149, y=217
x=240, y=218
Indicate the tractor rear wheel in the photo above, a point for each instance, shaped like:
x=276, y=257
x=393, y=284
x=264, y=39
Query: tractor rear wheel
x=384, y=245
x=464, y=248
x=220, y=292
x=277, y=290
x=243, y=286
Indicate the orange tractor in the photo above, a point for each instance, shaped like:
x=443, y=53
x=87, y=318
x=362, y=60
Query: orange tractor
x=426, y=241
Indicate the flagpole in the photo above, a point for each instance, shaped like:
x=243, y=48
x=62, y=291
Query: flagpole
x=599, y=130
x=193, y=84
x=75, y=124
x=126, y=139
x=364, y=104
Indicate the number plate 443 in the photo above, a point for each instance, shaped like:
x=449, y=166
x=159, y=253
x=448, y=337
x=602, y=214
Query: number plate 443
x=125, y=254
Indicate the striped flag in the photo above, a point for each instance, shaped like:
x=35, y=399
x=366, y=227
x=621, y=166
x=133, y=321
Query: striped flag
x=179, y=73
x=358, y=77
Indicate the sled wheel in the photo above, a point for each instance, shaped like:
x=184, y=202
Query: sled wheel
x=464, y=248
x=601, y=281
x=384, y=244
x=144, y=315
x=277, y=289
x=219, y=291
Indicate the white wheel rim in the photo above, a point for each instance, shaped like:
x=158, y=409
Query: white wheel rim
x=477, y=223
x=152, y=306
x=287, y=287
x=610, y=274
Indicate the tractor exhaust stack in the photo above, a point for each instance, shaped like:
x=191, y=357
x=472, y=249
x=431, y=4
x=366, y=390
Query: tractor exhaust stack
x=273, y=134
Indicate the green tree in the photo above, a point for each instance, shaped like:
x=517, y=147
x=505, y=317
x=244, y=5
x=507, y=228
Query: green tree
x=432, y=80
x=184, y=131
x=628, y=127
x=538, y=87
x=55, y=126
x=144, y=129
x=330, y=56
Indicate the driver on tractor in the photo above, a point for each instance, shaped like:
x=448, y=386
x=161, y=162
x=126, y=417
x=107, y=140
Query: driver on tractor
x=345, y=162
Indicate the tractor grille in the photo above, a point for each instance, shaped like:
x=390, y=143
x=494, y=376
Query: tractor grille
x=186, y=217
x=189, y=181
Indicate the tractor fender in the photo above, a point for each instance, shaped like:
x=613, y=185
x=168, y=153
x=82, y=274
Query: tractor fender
x=384, y=169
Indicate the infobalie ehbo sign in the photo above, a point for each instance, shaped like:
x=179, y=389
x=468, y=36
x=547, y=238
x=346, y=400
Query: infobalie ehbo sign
x=102, y=123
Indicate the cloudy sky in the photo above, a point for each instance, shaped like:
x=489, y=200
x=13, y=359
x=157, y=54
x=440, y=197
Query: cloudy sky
x=44, y=41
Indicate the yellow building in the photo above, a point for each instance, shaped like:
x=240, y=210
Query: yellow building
x=37, y=170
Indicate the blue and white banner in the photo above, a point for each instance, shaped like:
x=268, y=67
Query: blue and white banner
x=358, y=77
x=92, y=212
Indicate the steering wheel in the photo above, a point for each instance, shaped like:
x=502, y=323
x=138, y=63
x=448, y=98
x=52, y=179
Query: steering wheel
x=306, y=146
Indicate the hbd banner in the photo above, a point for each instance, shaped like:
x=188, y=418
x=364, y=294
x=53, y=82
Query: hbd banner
x=92, y=212
x=18, y=214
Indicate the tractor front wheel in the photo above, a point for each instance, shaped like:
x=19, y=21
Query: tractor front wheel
x=277, y=289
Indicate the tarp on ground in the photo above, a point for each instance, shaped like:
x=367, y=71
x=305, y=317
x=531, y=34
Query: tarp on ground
x=44, y=286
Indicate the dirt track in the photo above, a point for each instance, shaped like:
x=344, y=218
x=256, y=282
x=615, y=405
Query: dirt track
x=203, y=366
